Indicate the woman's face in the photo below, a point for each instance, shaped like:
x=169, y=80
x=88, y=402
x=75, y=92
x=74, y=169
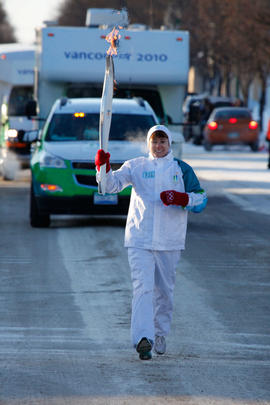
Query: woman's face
x=159, y=147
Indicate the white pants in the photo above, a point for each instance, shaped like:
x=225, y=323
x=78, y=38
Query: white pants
x=153, y=280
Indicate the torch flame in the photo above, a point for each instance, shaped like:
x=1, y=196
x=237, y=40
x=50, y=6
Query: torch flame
x=113, y=38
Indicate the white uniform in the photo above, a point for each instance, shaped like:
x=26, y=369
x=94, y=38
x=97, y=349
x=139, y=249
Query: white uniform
x=150, y=224
x=154, y=235
x=153, y=278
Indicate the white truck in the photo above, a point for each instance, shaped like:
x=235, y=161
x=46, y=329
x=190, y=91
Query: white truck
x=152, y=64
x=16, y=89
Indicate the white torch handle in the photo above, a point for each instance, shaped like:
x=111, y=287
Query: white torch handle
x=105, y=117
x=102, y=181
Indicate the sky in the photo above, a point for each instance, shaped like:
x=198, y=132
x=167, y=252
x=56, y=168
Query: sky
x=25, y=15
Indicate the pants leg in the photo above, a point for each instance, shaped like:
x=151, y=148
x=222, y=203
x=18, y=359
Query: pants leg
x=142, y=267
x=165, y=271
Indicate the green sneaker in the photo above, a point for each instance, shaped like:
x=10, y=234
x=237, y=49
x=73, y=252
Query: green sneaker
x=144, y=348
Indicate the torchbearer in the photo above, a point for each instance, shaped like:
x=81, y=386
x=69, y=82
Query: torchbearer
x=164, y=190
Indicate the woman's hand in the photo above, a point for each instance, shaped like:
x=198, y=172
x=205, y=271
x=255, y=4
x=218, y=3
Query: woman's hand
x=172, y=197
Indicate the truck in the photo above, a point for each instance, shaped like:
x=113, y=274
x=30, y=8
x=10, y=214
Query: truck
x=16, y=89
x=150, y=63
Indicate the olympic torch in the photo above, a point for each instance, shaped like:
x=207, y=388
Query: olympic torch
x=105, y=116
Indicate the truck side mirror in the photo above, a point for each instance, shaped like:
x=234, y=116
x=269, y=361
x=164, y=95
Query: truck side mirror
x=31, y=136
x=166, y=120
x=31, y=109
x=194, y=113
x=170, y=121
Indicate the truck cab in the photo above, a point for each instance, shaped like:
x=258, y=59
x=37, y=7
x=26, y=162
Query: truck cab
x=16, y=90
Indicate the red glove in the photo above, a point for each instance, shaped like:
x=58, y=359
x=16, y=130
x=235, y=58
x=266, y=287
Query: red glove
x=102, y=158
x=172, y=197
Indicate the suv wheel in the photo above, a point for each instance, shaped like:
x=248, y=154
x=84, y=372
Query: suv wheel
x=37, y=220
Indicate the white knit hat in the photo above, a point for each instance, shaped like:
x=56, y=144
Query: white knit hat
x=159, y=128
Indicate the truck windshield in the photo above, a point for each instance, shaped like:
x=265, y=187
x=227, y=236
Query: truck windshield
x=67, y=127
x=19, y=97
x=150, y=95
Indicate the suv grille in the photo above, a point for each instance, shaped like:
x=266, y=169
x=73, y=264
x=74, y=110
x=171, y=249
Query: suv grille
x=84, y=165
x=91, y=165
x=116, y=166
x=86, y=180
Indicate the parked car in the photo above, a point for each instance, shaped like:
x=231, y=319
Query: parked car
x=197, y=109
x=62, y=164
x=231, y=125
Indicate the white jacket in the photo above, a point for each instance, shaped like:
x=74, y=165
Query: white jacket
x=150, y=224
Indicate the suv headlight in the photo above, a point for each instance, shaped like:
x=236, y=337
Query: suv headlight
x=48, y=160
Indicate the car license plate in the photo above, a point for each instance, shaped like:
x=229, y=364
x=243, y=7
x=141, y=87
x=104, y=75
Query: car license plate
x=107, y=199
x=233, y=135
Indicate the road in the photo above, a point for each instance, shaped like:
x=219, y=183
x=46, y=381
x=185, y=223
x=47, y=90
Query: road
x=65, y=301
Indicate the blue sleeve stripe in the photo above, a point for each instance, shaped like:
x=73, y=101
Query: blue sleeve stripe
x=191, y=182
x=192, y=185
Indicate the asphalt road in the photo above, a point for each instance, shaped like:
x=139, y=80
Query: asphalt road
x=65, y=310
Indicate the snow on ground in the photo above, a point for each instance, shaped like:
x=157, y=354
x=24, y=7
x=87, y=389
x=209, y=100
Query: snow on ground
x=235, y=171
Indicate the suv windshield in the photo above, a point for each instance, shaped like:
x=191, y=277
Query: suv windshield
x=69, y=127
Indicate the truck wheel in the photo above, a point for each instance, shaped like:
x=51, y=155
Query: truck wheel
x=37, y=220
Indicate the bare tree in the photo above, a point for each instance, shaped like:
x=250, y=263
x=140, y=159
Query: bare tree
x=6, y=30
x=228, y=38
x=172, y=16
x=149, y=12
x=73, y=12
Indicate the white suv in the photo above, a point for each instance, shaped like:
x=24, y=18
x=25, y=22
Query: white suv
x=62, y=164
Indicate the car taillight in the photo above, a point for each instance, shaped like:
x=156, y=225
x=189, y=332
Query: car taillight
x=212, y=125
x=253, y=125
x=232, y=120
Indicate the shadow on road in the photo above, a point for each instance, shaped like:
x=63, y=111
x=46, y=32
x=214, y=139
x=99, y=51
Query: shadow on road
x=66, y=221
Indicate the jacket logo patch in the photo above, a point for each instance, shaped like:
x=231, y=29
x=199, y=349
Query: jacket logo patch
x=148, y=175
